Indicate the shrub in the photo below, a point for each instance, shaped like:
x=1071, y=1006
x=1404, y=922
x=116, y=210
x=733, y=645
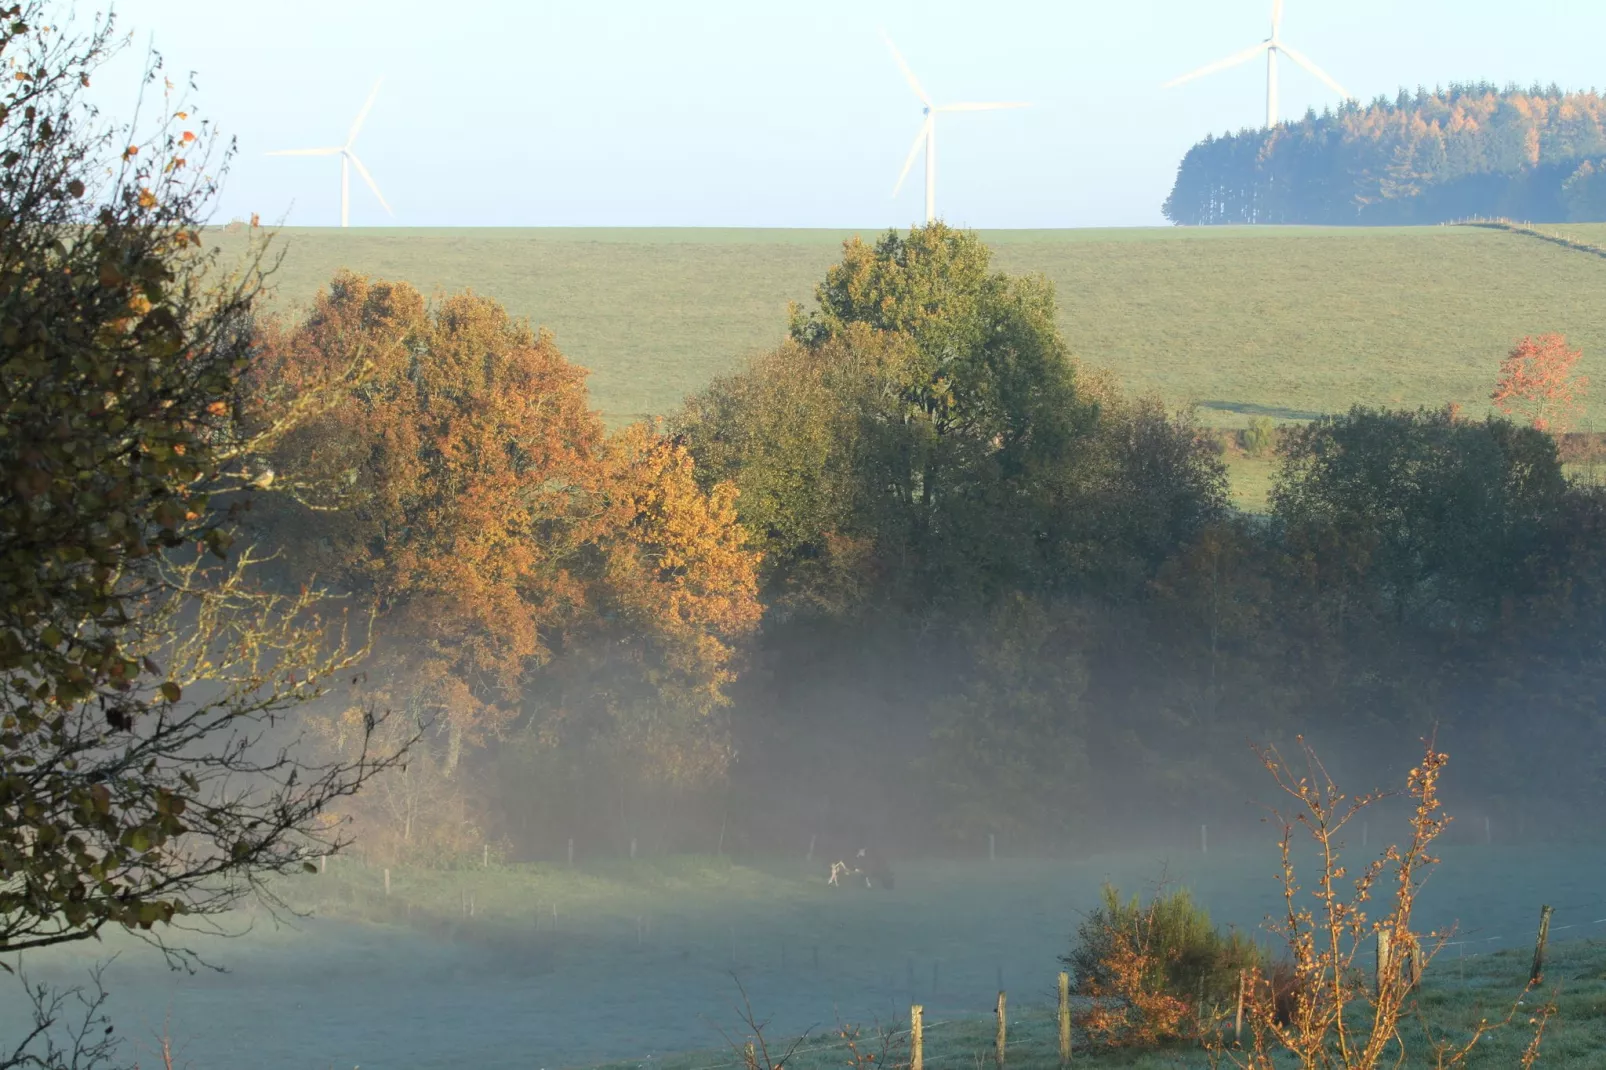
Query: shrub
x=1260, y=437
x=1188, y=957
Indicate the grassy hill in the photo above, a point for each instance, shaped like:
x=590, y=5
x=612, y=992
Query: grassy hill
x=1284, y=322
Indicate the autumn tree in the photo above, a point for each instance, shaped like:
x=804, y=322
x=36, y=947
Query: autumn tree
x=529, y=569
x=1539, y=384
x=146, y=675
x=451, y=487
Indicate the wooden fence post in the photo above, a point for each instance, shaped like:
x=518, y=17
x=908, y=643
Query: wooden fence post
x=485, y=857
x=323, y=864
x=1537, y=974
x=1065, y=1019
x=387, y=880
x=917, y=1037
x=1383, y=936
x=1238, y=1019
x=999, y=1043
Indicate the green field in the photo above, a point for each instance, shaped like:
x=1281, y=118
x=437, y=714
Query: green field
x=1283, y=322
x=638, y=965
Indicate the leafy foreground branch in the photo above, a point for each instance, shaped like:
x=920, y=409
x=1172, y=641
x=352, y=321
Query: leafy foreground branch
x=149, y=768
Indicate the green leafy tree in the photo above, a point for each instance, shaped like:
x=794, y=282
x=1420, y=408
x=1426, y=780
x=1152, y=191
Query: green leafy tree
x=1435, y=518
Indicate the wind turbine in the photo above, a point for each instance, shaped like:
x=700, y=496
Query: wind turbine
x=348, y=159
x=1271, y=46
x=928, y=131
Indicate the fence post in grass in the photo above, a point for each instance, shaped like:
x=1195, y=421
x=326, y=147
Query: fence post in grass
x=1238, y=1019
x=387, y=880
x=1537, y=974
x=1413, y=965
x=1383, y=936
x=323, y=864
x=471, y=904
x=917, y=1038
x=1065, y=1019
x=999, y=1043
x=485, y=857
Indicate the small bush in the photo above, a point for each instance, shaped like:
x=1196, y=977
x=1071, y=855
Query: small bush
x=1260, y=437
x=1188, y=955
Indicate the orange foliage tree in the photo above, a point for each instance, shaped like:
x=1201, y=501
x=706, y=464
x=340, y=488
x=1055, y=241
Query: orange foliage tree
x=1537, y=382
x=466, y=486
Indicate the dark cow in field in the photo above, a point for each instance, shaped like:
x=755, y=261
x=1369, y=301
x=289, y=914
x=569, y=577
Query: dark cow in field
x=868, y=865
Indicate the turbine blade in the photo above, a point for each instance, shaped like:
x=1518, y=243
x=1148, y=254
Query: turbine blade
x=1300, y=59
x=914, y=150
x=1276, y=17
x=982, y=107
x=356, y=126
x=366, y=177
x=305, y=152
x=1221, y=64
x=914, y=83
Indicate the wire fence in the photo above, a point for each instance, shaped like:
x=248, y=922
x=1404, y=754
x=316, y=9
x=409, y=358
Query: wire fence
x=1026, y=1046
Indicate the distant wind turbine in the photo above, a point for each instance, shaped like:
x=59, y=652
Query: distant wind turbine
x=928, y=132
x=1271, y=46
x=348, y=159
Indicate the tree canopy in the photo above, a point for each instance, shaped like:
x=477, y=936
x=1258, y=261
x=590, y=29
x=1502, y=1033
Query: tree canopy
x=1423, y=157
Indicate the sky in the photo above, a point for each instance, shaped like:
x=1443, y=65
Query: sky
x=757, y=113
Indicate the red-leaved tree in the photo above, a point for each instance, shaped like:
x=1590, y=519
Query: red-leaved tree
x=1537, y=382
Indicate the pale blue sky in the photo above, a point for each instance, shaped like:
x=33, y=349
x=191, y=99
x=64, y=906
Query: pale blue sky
x=761, y=113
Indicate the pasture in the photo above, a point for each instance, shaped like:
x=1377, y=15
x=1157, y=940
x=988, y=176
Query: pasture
x=638, y=966
x=1280, y=322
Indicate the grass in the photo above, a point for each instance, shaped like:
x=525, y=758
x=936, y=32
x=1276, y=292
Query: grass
x=1282, y=322
x=410, y=981
x=1454, y=997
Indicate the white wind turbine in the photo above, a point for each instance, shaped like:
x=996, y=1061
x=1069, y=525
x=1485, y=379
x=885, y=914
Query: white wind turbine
x=348, y=159
x=1271, y=46
x=928, y=131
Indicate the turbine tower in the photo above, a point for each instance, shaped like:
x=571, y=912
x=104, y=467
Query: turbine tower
x=348, y=160
x=1271, y=46
x=927, y=137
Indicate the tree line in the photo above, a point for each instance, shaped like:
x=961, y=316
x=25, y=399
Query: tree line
x=915, y=572
x=1425, y=157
